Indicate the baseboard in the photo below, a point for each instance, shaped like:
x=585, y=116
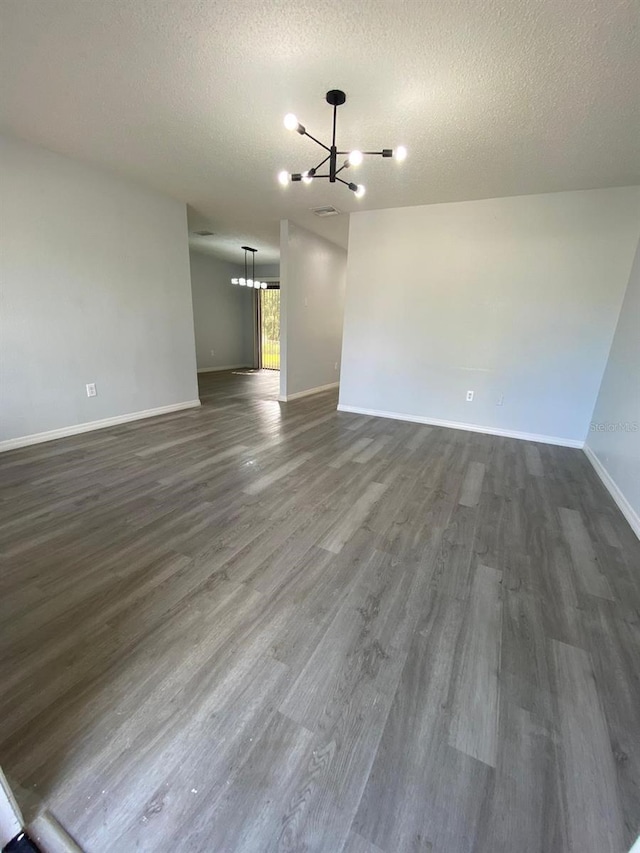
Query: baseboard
x=505, y=433
x=614, y=490
x=51, y=835
x=297, y=394
x=224, y=367
x=76, y=429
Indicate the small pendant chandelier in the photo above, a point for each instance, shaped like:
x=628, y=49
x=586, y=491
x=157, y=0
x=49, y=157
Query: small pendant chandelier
x=335, y=98
x=246, y=281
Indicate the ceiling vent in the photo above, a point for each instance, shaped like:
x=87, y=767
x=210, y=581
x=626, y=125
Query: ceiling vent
x=203, y=233
x=326, y=211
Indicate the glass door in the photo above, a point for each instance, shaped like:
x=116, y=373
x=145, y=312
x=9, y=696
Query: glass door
x=269, y=324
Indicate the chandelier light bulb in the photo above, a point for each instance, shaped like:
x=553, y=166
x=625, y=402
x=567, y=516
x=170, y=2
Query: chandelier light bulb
x=400, y=153
x=242, y=282
x=283, y=178
x=360, y=191
x=355, y=158
x=256, y=285
x=307, y=178
x=263, y=285
x=290, y=122
x=234, y=281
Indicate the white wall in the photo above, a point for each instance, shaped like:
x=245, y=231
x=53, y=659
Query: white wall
x=10, y=817
x=94, y=272
x=222, y=312
x=613, y=442
x=312, y=282
x=513, y=298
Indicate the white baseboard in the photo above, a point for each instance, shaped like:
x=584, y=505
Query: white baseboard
x=225, y=367
x=51, y=835
x=614, y=490
x=505, y=433
x=76, y=429
x=297, y=394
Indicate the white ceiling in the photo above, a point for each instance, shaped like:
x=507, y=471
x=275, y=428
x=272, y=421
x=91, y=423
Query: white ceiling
x=492, y=98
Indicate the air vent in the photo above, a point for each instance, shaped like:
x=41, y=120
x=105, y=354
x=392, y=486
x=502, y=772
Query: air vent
x=326, y=211
x=203, y=233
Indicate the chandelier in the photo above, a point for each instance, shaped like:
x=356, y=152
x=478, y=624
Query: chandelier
x=335, y=98
x=246, y=281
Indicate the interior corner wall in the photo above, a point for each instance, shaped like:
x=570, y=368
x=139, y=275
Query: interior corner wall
x=312, y=284
x=222, y=314
x=95, y=288
x=613, y=442
x=515, y=299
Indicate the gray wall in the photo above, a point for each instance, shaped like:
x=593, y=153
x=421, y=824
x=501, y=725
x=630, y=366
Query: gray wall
x=513, y=298
x=223, y=314
x=614, y=436
x=267, y=270
x=94, y=272
x=312, y=282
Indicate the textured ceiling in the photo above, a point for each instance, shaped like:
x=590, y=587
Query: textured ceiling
x=492, y=98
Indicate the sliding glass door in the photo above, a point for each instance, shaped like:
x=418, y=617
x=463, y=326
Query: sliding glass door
x=269, y=325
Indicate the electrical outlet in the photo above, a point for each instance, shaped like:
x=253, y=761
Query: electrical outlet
x=469, y=396
x=91, y=389
x=336, y=366
x=500, y=400
x=213, y=352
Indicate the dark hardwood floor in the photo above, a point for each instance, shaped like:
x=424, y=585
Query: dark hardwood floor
x=259, y=626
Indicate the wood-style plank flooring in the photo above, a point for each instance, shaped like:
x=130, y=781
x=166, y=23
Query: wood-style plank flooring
x=259, y=627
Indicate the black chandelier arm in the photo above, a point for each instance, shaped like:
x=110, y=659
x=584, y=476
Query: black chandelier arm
x=317, y=141
x=298, y=176
x=386, y=152
x=323, y=162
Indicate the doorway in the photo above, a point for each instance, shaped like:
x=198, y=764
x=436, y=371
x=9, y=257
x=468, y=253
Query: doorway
x=269, y=326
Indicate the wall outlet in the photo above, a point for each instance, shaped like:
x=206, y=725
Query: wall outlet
x=335, y=367
x=500, y=400
x=469, y=396
x=91, y=389
x=213, y=352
